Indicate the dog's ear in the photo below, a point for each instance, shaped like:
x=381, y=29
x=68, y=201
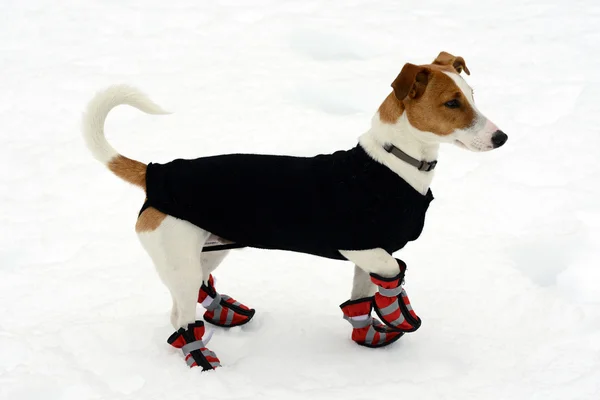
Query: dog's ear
x=412, y=82
x=458, y=63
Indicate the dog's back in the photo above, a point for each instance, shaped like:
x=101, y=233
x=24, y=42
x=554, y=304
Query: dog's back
x=313, y=205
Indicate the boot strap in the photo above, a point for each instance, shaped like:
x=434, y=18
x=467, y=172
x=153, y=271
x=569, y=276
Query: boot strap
x=196, y=345
x=359, y=323
x=393, y=292
x=215, y=303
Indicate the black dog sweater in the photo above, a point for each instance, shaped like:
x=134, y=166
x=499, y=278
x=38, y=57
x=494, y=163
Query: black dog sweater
x=315, y=205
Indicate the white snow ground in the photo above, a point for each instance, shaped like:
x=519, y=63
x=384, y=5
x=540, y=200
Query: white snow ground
x=505, y=275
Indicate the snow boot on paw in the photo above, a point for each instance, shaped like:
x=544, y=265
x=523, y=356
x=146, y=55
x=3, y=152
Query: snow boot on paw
x=366, y=330
x=194, y=349
x=222, y=310
x=392, y=304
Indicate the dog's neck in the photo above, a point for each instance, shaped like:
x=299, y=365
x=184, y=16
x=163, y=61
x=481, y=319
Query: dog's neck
x=404, y=136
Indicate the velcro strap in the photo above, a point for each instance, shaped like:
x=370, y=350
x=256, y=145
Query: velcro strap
x=359, y=323
x=390, y=292
x=195, y=345
x=215, y=303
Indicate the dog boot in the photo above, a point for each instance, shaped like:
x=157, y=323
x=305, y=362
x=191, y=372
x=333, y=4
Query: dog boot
x=392, y=304
x=366, y=330
x=194, y=349
x=222, y=310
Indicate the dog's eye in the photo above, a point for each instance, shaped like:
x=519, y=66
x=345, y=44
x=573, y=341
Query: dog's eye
x=452, y=104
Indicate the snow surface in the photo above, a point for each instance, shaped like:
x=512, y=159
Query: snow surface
x=505, y=275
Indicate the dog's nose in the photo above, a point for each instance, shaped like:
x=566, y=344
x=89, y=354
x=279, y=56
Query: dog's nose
x=499, y=138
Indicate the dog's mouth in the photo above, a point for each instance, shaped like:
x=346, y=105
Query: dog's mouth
x=477, y=146
x=460, y=144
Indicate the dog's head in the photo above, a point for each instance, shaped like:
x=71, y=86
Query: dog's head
x=439, y=106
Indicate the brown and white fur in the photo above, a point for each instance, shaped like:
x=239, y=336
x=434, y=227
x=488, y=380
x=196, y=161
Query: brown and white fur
x=430, y=104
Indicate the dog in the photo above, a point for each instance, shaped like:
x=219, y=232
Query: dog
x=359, y=205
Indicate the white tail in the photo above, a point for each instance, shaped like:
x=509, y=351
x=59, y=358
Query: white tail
x=97, y=110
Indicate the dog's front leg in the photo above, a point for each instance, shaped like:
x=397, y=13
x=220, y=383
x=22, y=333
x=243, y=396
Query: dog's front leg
x=366, y=330
x=361, y=285
x=373, y=261
x=377, y=268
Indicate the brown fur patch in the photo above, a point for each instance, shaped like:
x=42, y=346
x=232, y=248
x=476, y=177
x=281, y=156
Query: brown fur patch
x=129, y=170
x=428, y=113
x=457, y=63
x=149, y=220
x=391, y=109
x=446, y=68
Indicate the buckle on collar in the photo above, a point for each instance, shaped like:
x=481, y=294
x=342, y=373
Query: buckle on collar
x=427, y=166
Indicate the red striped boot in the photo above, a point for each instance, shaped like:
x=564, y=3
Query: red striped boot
x=392, y=304
x=222, y=310
x=366, y=330
x=194, y=349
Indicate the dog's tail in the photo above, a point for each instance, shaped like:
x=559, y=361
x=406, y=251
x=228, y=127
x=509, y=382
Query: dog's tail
x=125, y=168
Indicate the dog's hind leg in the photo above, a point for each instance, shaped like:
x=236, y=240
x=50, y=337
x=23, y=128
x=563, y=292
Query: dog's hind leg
x=174, y=246
x=391, y=302
x=221, y=310
x=210, y=261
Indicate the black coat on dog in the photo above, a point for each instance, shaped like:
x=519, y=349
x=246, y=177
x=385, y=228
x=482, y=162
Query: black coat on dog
x=319, y=205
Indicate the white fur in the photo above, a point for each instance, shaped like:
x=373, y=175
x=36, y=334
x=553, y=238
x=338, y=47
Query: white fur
x=463, y=86
x=410, y=140
x=99, y=107
x=377, y=261
x=361, y=284
x=210, y=261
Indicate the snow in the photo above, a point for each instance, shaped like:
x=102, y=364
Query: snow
x=505, y=275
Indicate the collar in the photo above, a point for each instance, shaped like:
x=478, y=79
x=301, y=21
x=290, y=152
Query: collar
x=418, y=164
